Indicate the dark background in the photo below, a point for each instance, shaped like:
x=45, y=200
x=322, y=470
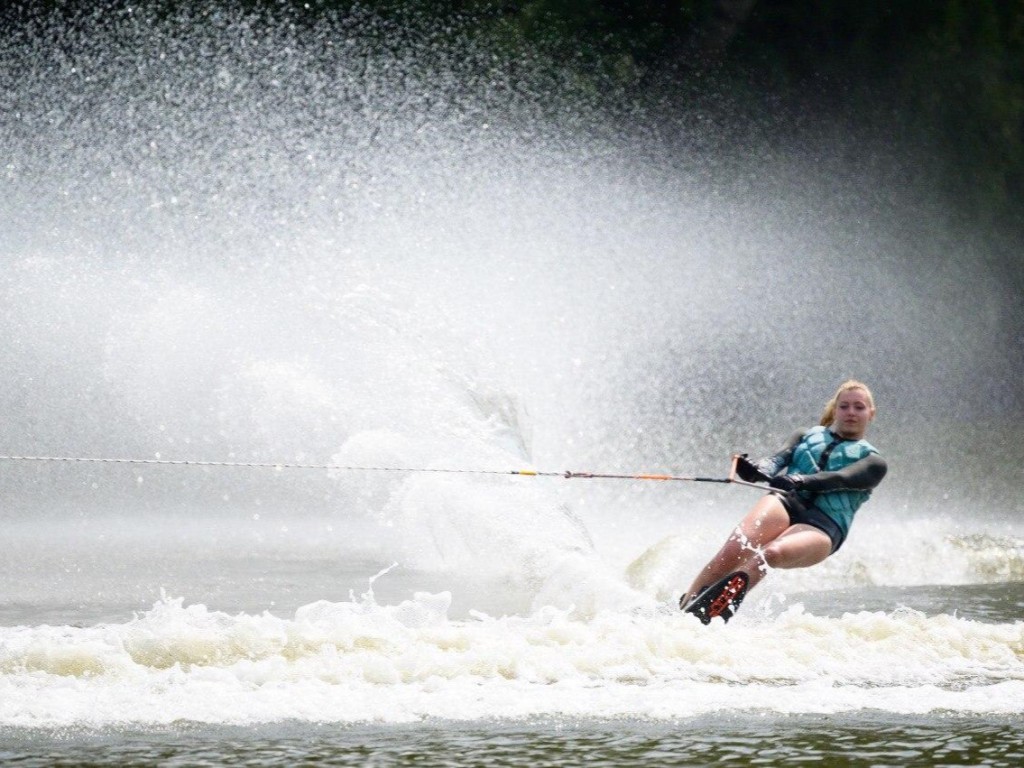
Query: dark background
x=950, y=74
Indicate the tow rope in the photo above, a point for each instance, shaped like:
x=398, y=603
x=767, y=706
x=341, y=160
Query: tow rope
x=568, y=474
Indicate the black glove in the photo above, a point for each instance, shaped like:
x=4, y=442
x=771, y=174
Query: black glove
x=787, y=482
x=748, y=471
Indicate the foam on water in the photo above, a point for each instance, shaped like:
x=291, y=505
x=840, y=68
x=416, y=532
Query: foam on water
x=360, y=661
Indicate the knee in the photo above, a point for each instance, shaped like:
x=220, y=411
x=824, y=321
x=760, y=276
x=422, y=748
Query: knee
x=797, y=551
x=773, y=554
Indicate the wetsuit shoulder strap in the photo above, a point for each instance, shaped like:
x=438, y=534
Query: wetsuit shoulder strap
x=825, y=454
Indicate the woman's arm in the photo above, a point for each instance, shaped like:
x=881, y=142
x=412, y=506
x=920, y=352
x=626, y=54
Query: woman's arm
x=862, y=475
x=772, y=465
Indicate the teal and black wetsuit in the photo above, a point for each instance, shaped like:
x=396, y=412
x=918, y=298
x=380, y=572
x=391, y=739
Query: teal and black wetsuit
x=838, y=476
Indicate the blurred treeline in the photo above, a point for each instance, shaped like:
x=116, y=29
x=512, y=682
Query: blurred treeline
x=947, y=75
x=948, y=71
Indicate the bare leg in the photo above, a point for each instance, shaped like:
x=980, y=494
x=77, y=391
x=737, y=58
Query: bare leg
x=766, y=521
x=764, y=539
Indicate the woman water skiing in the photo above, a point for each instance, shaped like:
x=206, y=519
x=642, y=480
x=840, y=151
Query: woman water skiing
x=820, y=478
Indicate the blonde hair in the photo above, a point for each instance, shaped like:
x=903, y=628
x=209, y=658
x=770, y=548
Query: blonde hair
x=829, y=414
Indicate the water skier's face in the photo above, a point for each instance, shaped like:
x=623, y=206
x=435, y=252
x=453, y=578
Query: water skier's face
x=854, y=412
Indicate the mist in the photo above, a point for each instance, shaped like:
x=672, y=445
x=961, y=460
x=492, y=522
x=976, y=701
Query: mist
x=230, y=239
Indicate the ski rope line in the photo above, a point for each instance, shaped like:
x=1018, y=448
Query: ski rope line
x=348, y=468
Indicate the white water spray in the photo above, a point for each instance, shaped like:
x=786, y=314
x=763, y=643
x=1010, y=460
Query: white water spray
x=236, y=240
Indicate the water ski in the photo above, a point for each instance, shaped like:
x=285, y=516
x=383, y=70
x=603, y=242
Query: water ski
x=722, y=598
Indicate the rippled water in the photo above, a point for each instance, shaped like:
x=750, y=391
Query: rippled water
x=866, y=739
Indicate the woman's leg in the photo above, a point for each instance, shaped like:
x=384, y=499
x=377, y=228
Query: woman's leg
x=798, y=547
x=766, y=521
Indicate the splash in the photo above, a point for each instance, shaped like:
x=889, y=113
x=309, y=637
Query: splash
x=228, y=236
x=362, y=662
